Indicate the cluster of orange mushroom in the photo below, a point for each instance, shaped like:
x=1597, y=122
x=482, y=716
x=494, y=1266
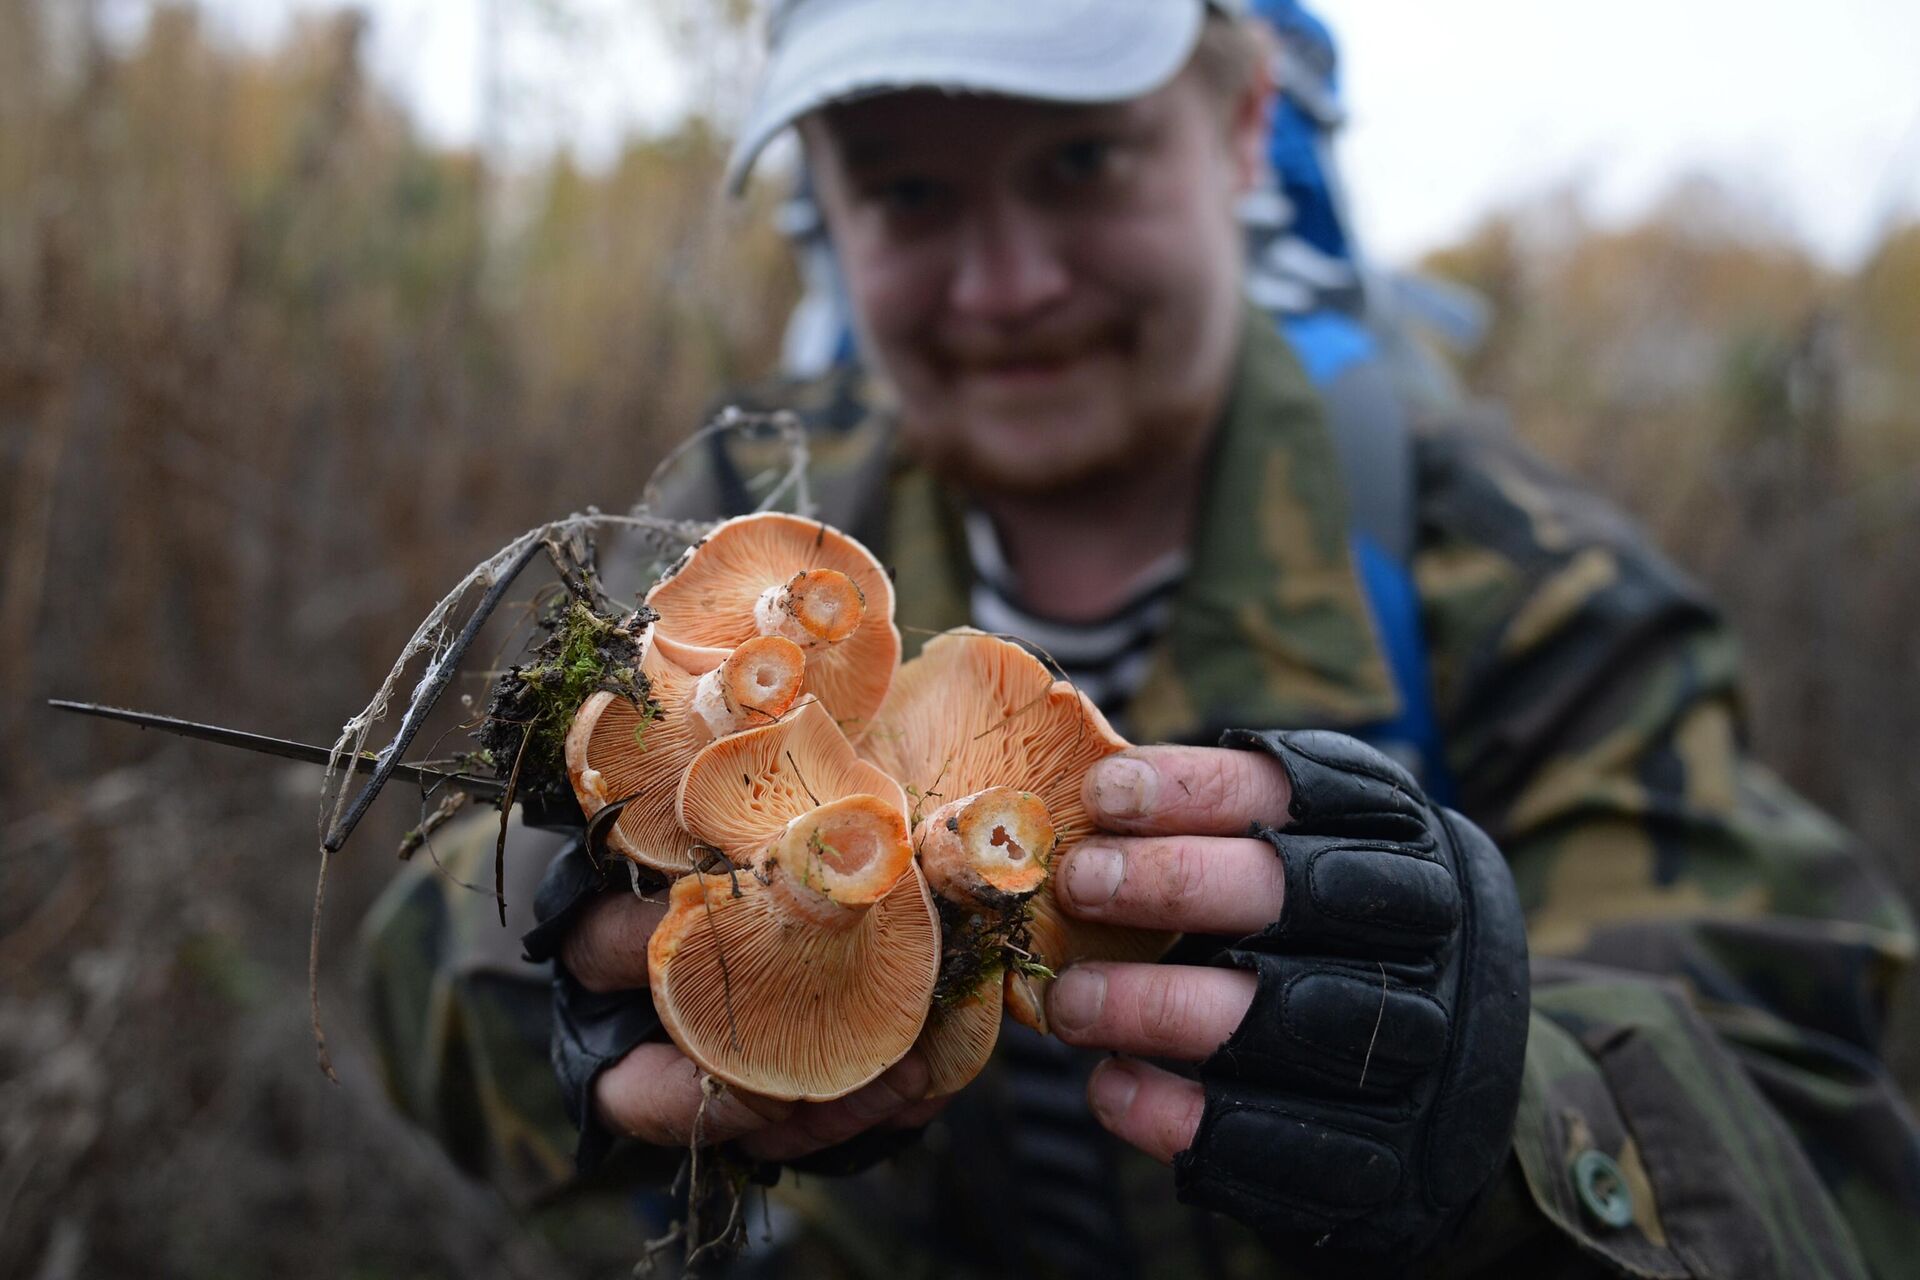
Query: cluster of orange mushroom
x=827, y=815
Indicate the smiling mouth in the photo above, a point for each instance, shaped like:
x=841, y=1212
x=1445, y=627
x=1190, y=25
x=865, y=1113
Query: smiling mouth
x=1034, y=364
x=1037, y=366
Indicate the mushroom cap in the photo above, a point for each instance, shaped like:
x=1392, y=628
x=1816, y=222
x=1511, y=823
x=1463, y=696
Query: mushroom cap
x=741, y=792
x=785, y=1010
x=708, y=604
x=616, y=750
x=974, y=711
x=959, y=1038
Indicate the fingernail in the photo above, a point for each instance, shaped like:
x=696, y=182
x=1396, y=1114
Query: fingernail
x=1123, y=786
x=1094, y=873
x=1110, y=1091
x=1077, y=997
x=909, y=1078
x=875, y=1102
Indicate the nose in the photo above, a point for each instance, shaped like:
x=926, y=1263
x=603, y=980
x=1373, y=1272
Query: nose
x=1009, y=263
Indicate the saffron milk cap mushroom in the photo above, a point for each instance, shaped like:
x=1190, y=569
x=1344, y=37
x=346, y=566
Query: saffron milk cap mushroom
x=974, y=712
x=619, y=751
x=740, y=793
x=984, y=855
x=959, y=1038
x=807, y=969
x=778, y=574
x=987, y=850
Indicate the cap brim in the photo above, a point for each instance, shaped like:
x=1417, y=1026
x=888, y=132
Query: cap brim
x=1052, y=50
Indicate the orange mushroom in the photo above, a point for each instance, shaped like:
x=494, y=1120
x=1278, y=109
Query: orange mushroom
x=974, y=712
x=808, y=970
x=984, y=855
x=987, y=850
x=619, y=751
x=777, y=574
x=959, y=1038
x=740, y=792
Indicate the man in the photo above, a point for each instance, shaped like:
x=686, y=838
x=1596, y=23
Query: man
x=1033, y=205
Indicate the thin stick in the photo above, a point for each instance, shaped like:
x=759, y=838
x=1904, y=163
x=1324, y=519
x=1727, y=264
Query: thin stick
x=439, y=673
x=803, y=780
x=313, y=972
x=506, y=811
x=720, y=950
x=449, y=807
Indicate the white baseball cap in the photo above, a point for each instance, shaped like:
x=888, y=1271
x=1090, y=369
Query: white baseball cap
x=823, y=51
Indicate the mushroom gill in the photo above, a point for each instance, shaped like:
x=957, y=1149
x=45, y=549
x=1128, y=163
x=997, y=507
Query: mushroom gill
x=777, y=574
x=619, y=751
x=959, y=1038
x=974, y=711
x=767, y=1001
x=740, y=793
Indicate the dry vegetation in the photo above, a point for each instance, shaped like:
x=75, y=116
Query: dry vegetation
x=272, y=372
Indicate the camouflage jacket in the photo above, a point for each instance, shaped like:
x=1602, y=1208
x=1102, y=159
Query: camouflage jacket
x=1713, y=958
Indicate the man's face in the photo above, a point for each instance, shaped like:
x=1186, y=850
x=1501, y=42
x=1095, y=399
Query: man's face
x=1052, y=291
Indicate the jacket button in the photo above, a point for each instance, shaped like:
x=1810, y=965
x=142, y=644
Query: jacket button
x=1603, y=1189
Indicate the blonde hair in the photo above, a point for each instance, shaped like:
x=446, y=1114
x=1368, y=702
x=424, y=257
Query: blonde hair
x=1232, y=53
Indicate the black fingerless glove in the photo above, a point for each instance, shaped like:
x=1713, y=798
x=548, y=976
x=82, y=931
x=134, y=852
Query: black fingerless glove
x=591, y=1031
x=1368, y=1098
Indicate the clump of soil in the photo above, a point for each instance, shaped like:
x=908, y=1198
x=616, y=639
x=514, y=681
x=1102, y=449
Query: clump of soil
x=524, y=735
x=977, y=948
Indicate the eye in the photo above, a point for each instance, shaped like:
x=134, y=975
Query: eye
x=1084, y=160
x=908, y=195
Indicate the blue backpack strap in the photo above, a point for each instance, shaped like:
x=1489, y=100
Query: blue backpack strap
x=1374, y=443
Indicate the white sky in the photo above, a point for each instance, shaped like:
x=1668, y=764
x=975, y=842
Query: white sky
x=1457, y=107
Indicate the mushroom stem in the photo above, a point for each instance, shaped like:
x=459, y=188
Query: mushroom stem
x=989, y=850
x=754, y=686
x=815, y=608
x=834, y=862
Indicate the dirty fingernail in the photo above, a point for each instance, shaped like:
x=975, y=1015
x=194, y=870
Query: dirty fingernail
x=909, y=1078
x=1094, y=874
x=1077, y=998
x=1110, y=1091
x=1123, y=787
x=875, y=1102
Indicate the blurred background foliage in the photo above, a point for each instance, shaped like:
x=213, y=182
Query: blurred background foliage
x=274, y=372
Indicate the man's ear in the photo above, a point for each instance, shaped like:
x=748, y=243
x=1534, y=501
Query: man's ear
x=1250, y=112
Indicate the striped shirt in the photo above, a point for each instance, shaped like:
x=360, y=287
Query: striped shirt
x=1107, y=658
x=1061, y=1157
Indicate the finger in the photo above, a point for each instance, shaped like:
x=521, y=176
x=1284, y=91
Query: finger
x=1162, y=1011
x=922, y=1112
x=1154, y=1110
x=1194, y=884
x=654, y=1094
x=607, y=949
x=816, y=1126
x=1202, y=791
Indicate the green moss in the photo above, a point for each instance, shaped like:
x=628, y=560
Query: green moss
x=586, y=654
x=533, y=705
x=977, y=948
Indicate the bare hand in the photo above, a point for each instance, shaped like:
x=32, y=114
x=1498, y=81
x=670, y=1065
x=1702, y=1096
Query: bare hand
x=654, y=1092
x=1178, y=858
